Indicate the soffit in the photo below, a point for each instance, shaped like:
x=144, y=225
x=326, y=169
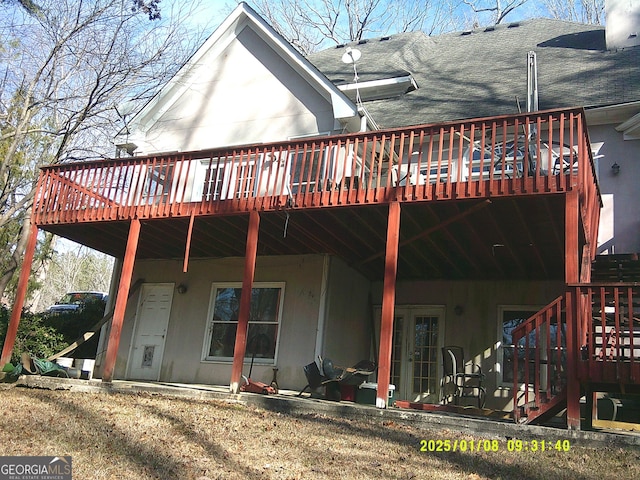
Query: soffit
x=506, y=238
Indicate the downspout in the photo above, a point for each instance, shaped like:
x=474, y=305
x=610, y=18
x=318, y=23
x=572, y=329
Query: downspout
x=324, y=306
x=532, y=82
x=366, y=120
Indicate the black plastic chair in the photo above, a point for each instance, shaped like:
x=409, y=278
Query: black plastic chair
x=331, y=376
x=456, y=382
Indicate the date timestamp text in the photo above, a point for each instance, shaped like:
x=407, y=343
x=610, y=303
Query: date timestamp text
x=486, y=445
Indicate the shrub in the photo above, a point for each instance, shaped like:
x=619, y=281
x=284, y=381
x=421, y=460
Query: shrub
x=34, y=336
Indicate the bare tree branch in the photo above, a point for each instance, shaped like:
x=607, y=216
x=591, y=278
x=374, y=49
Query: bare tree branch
x=497, y=8
x=313, y=24
x=63, y=68
x=583, y=11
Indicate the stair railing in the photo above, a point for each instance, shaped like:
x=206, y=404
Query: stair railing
x=608, y=332
x=540, y=358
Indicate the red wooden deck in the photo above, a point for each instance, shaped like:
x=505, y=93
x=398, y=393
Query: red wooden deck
x=486, y=198
x=542, y=153
x=503, y=197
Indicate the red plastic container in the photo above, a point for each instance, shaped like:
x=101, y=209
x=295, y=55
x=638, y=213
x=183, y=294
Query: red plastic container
x=348, y=393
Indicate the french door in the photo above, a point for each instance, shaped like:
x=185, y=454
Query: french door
x=415, y=357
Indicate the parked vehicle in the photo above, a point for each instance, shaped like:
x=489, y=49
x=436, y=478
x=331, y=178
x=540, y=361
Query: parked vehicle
x=77, y=301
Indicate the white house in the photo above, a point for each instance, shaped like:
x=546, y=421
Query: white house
x=383, y=219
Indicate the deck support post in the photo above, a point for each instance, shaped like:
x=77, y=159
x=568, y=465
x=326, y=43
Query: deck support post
x=245, y=301
x=21, y=293
x=572, y=275
x=591, y=409
x=388, y=304
x=121, y=301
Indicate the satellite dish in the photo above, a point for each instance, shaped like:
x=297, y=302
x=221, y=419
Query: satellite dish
x=125, y=108
x=351, y=55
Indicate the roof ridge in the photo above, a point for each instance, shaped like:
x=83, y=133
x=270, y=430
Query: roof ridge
x=517, y=23
x=388, y=36
x=421, y=34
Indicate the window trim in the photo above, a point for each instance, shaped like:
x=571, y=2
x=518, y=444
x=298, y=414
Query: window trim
x=205, y=358
x=500, y=382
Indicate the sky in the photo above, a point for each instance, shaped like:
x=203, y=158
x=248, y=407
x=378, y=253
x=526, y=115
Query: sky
x=210, y=13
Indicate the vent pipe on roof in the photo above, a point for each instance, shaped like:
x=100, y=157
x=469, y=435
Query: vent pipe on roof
x=532, y=82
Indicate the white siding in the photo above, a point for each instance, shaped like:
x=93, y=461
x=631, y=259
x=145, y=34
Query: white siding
x=347, y=335
x=303, y=277
x=244, y=94
x=619, y=221
x=474, y=325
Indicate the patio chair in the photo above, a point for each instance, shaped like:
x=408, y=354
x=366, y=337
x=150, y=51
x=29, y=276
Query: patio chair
x=456, y=382
x=323, y=373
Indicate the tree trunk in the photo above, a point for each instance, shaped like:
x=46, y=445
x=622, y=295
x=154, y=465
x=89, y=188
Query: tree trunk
x=15, y=260
x=46, y=257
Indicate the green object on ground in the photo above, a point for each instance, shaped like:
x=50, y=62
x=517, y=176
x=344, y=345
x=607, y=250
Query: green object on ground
x=8, y=368
x=39, y=366
x=10, y=373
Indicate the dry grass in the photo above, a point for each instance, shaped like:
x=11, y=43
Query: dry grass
x=122, y=436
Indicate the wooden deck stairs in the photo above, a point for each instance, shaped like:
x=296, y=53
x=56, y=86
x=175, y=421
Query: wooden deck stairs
x=604, y=338
x=541, y=411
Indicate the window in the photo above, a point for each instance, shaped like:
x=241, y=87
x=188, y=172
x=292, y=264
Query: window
x=308, y=172
x=213, y=182
x=264, y=322
x=157, y=184
x=510, y=318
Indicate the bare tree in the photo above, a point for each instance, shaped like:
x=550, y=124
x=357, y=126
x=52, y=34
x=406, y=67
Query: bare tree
x=28, y=5
x=583, y=11
x=149, y=7
x=73, y=268
x=312, y=24
x=63, y=68
x=498, y=9
x=432, y=17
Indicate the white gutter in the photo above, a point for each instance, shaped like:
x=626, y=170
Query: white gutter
x=386, y=82
x=630, y=128
x=379, y=89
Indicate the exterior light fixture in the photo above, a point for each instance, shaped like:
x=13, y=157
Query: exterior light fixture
x=615, y=168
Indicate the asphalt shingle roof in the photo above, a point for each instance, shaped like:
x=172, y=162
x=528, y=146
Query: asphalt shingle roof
x=481, y=72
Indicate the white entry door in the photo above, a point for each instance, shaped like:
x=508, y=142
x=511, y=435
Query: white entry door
x=152, y=319
x=416, y=359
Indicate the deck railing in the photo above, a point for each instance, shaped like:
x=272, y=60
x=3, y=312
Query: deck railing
x=540, y=358
x=609, y=332
x=599, y=326
x=541, y=152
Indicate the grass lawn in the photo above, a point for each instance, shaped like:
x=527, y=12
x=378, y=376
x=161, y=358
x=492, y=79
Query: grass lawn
x=142, y=436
